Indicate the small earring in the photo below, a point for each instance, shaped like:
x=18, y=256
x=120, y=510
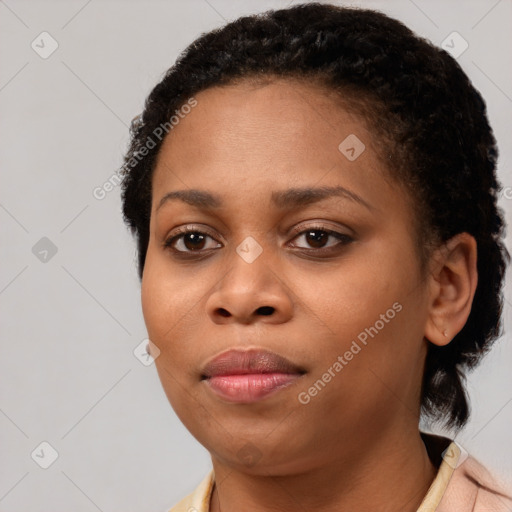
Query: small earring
x=445, y=333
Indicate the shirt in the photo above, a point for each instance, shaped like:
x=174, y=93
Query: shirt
x=461, y=484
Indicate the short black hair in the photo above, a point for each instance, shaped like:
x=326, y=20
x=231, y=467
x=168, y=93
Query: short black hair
x=429, y=121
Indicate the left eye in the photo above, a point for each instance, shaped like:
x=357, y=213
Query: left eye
x=318, y=238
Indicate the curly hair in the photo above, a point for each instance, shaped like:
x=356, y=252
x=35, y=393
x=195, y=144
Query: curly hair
x=431, y=128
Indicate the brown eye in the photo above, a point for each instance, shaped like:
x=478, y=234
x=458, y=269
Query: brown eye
x=193, y=241
x=190, y=241
x=316, y=238
x=320, y=238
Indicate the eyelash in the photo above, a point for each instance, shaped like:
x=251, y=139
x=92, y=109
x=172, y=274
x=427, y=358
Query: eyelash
x=343, y=241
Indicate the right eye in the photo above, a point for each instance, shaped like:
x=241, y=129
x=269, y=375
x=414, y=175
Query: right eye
x=190, y=240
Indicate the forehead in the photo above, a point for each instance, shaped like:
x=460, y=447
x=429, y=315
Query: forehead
x=249, y=136
x=283, y=108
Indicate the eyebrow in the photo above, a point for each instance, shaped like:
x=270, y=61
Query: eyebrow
x=290, y=198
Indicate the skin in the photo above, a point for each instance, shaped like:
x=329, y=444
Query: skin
x=356, y=444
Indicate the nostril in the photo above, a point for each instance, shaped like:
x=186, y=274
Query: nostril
x=266, y=310
x=223, y=312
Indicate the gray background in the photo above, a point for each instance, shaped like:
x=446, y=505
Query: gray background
x=70, y=324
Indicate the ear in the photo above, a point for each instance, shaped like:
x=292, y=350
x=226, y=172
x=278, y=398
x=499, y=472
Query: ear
x=453, y=281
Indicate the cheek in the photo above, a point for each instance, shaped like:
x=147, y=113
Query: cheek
x=372, y=299
x=159, y=299
x=351, y=295
x=155, y=306
x=162, y=318
x=171, y=307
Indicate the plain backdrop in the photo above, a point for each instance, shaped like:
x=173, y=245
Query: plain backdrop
x=69, y=293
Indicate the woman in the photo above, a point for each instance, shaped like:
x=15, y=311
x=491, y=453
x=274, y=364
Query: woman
x=313, y=192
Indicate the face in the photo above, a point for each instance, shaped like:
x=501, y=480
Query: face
x=299, y=246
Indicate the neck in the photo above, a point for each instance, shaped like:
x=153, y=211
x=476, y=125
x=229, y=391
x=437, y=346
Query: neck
x=393, y=473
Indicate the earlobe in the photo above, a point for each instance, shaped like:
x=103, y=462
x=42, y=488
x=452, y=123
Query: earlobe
x=453, y=282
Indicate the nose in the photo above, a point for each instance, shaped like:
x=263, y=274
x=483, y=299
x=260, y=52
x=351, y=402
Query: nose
x=250, y=292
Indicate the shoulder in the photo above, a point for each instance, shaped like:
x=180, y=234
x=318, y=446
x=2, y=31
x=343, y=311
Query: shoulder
x=199, y=499
x=472, y=487
x=462, y=483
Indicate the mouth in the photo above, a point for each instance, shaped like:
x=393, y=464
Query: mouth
x=247, y=376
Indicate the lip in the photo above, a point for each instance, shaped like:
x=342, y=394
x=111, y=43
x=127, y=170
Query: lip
x=247, y=376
